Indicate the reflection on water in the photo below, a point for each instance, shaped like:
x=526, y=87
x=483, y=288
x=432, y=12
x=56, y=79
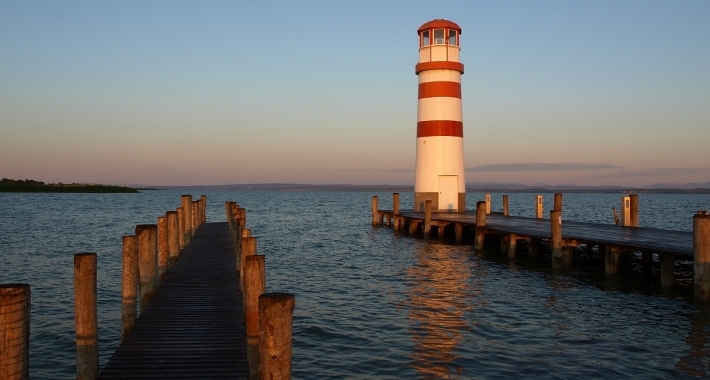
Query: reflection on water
x=440, y=293
x=696, y=357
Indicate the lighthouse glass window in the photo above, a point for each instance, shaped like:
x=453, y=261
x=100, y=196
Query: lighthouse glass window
x=425, y=38
x=439, y=37
x=452, y=37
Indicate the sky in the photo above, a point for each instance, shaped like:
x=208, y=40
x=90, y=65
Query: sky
x=324, y=92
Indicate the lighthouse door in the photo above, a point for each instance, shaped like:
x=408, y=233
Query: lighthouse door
x=448, y=193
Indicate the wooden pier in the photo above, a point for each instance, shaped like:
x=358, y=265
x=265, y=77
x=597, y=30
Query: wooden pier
x=192, y=327
x=204, y=310
x=564, y=236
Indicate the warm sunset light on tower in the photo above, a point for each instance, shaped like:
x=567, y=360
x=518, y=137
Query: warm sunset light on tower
x=439, y=165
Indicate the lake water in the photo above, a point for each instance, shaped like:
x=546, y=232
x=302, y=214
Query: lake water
x=373, y=304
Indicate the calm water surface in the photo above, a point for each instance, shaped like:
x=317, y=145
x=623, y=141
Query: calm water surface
x=372, y=304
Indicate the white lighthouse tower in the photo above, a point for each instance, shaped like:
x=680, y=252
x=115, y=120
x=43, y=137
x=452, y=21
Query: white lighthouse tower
x=440, y=168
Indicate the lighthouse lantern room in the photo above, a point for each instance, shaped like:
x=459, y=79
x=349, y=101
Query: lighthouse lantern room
x=439, y=164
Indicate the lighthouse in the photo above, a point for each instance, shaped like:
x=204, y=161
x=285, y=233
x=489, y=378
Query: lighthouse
x=439, y=167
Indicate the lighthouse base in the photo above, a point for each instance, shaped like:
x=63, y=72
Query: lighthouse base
x=420, y=199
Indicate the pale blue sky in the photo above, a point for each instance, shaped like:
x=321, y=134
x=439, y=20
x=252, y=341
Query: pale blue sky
x=190, y=93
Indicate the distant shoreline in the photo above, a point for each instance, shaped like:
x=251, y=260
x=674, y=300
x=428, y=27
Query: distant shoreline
x=404, y=188
x=65, y=189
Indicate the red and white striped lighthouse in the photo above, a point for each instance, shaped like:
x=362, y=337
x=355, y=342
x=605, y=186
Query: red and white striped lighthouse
x=440, y=168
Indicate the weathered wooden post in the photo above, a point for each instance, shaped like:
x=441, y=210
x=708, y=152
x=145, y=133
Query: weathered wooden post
x=162, y=247
x=181, y=227
x=254, y=286
x=558, y=202
x=558, y=256
x=634, y=210
x=395, y=211
x=15, y=331
x=667, y=270
x=395, y=203
x=504, y=242
x=505, y=205
x=193, y=219
x=248, y=248
x=427, y=218
x=86, y=326
x=203, y=198
x=129, y=285
x=187, y=217
x=611, y=259
x=701, y=256
x=480, y=224
x=275, y=331
x=512, y=245
x=538, y=206
x=625, y=211
x=488, y=203
x=228, y=210
x=534, y=246
x=458, y=231
x=375, y=218
x=173, y=238
x=413, y=226
x=147, y=261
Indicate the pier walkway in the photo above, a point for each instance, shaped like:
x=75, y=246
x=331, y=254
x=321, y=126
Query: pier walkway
x=193, y=327
x=676, y=243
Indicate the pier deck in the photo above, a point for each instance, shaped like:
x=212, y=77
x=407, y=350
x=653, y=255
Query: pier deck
x=676, y=243
x=193, y=326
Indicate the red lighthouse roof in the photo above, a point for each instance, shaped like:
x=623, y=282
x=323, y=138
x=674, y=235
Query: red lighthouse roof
x=439, y=23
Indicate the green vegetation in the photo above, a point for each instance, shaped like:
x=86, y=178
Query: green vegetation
x=32, y=186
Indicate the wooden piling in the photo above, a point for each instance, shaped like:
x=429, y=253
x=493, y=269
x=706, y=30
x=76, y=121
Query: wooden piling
x=701, y=256
x=228, y=210
x=254, y=286
x=147, y=261
x=413, y=225
x=480, y=224
x=505, y=205
x=162, y=248
x=427, y=218
x=86, y=326
x=488, y=203
x=634, y=210
x=275, y=332
x=395, y=203
x=667, y=270
x=203, y=214
x=186, y=202
x=504, y=242
x=181, y=227
x=538, y=207
x=129, y=285
x=558, y=202
x=193, y=219
x=15, y=331
x=173, y=238
x=458, y=230
x=375, y=218
x=248, y=248
x=560, y=258
x=512, y=245
x=611, y=260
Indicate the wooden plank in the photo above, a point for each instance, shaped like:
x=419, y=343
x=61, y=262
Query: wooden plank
x=677, y=243
x=193, y=326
